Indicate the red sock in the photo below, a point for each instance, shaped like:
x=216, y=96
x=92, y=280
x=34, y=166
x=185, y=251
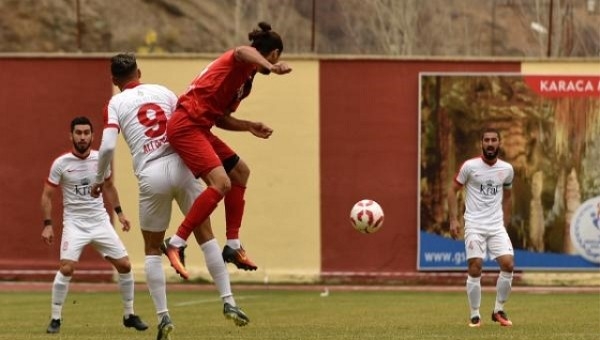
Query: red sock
x=203, y=206
x=234, y=210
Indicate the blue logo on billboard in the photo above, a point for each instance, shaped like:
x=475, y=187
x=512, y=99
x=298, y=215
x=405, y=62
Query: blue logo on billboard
x=585, y=230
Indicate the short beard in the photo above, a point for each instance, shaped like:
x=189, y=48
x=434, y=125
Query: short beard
x=488, y=156
x=82, y=149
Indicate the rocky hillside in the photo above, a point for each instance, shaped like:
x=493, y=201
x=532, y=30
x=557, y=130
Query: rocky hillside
x=382, y=27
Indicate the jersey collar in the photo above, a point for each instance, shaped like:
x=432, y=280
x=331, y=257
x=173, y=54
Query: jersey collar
x=80, y=156
x=131, y=85
x=490, y=163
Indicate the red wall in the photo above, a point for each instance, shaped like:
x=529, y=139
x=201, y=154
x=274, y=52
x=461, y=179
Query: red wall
x=39, y=98
x=369, y=146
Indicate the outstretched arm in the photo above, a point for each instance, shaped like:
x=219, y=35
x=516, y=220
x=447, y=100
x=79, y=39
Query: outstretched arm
x=251, y=55
x=228, y=122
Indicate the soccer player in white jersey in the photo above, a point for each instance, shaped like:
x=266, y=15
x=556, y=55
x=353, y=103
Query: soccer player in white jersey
x=487, y=181
x=141, y=112
x=85, y=221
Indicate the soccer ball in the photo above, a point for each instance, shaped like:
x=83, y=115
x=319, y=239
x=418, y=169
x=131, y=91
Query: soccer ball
x=366, y=216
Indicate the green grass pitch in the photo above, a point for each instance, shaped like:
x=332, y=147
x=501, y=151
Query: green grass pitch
x=305, y=315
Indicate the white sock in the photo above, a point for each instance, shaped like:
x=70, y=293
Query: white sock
x=217, y=269
x=177, y=241
x=234, y=243
x=155, y=279
x=126, y=287
x=474, y=294
x=60, y=288
x=503, y=288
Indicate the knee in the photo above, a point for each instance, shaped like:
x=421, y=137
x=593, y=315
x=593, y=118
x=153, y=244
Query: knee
x=123, y=266
x=240, y=173
x=223, y=185
x=152, y=250
x=474, y=272
x=506, y=263
x=219, y=180
x=244, y=172
x=153, y=247
x=67, y=269
x=475, y=269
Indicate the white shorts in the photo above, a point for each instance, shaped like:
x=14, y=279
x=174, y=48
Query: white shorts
x=160, y=182
x=480, y=243
x=100, y=234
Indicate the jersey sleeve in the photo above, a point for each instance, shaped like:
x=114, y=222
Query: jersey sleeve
x=56, y=171
x=111, y=119
x=509, y=179
x=463, y=174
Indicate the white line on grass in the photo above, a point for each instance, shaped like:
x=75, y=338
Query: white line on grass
x=211, y=300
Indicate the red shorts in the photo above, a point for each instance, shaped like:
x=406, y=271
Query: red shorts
x=200, y=150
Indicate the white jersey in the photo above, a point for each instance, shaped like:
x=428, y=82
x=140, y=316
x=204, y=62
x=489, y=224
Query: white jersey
x=141, y=112
x=484, y=186
x=76, y=177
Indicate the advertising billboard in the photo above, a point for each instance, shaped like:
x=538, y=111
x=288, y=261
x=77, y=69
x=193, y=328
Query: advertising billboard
x=550, y=134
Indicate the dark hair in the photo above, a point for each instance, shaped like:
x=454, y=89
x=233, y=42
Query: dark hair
x=490, y=129
x=265, y=40
x=81, y=121
x=123, y=65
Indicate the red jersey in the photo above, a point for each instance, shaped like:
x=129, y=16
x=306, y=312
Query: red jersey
x=218, y=89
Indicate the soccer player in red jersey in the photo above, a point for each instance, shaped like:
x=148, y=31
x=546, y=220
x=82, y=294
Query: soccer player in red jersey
x=210, y=100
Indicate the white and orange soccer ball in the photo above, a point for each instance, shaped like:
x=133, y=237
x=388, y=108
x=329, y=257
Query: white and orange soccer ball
x=366, y=216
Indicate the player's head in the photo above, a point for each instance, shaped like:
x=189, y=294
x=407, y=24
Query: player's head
x=490, y=143
x=268, y=43
x=82, y=134
x=124, y=69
